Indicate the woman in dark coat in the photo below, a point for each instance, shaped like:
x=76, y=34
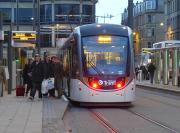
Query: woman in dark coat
x=58, y=75
x=27, y=76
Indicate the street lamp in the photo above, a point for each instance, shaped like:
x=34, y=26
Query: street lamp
x=38, y=26
x=161, y=24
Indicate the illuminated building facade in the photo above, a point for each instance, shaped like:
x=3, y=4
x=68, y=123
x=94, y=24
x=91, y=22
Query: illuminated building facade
x=148, y=23
x=57, y=17
x=172, y=12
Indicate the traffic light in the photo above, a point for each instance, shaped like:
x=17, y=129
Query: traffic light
x=17, y=61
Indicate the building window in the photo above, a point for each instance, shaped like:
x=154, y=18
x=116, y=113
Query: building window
x=149, y=18
x=152, y=32
x=46, y=40
x=178, y=5
x=6, y=12
x=149, y=45
x=24, y=15
x=149, y=32
x=25, y=0
x=67, y=13
x=87, y=13
x=45, y=13
x=150, y=4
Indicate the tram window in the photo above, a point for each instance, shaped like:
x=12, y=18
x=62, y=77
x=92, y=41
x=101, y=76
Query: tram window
x=75, y=65
x=107, y=58
x=66, y=62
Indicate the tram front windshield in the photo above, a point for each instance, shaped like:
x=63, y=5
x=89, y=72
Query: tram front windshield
x=105, y=55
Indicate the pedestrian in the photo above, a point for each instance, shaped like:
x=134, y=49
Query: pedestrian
x=144, y=72
x=37, y=76
x=151, y=70
x=58, y=75
x=137, y=71
x=27, y=81
x=48, y=73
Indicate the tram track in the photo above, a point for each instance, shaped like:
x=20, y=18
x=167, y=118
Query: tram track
x=104, y=122
x=158, y=123
x=100, y=119
x=114, y=130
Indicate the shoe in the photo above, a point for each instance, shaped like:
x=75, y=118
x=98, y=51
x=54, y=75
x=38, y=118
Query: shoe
x=39, y=99
x=31, y=98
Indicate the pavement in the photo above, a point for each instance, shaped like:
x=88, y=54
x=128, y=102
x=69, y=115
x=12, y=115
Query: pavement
x=145, y=84
x=53, y=113
x=21, y=115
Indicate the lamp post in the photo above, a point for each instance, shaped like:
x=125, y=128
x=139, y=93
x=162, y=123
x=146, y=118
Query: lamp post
x=38, y=26
x=17, y=14
x=105, y=17
x=33, y=15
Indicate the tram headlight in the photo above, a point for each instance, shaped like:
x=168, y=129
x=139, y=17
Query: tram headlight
x=94, y=83
x=120, y=82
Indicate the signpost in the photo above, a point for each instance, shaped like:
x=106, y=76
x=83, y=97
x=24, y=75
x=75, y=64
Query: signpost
x=1, y=35
x=23, y=39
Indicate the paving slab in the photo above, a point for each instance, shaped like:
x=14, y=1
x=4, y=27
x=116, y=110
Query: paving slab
x=21, y=115
x=18, y=114
x=53, y=112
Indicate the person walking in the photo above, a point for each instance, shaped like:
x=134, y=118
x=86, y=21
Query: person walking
x=58, y=75
x=37, y=76
x=48, y=72
x=137, y=71
x=27, y=81
x=151, y=70
x=144, y=71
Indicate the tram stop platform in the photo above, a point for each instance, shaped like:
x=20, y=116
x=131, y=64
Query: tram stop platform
x=21, y=115
x=169, y=89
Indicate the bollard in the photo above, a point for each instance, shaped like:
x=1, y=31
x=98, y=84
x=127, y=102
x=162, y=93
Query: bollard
x=1, y=88
x=178, y=81
x=1, y=82
x=140, y=75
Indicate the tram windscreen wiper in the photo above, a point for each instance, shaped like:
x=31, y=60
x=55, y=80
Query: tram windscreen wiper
x=94, y=67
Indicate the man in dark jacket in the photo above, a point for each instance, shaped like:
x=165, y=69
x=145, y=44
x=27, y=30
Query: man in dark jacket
x=48, y=73
x=37, y=76
x=151, y=70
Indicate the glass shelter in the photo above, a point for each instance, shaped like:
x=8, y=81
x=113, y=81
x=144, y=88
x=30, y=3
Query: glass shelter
x=166, y=58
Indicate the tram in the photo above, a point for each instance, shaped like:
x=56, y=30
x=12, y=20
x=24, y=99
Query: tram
x=98, y=64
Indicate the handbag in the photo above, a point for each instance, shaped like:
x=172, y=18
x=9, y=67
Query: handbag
x=44, y=89
x=47, y=84
x=50, y=83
